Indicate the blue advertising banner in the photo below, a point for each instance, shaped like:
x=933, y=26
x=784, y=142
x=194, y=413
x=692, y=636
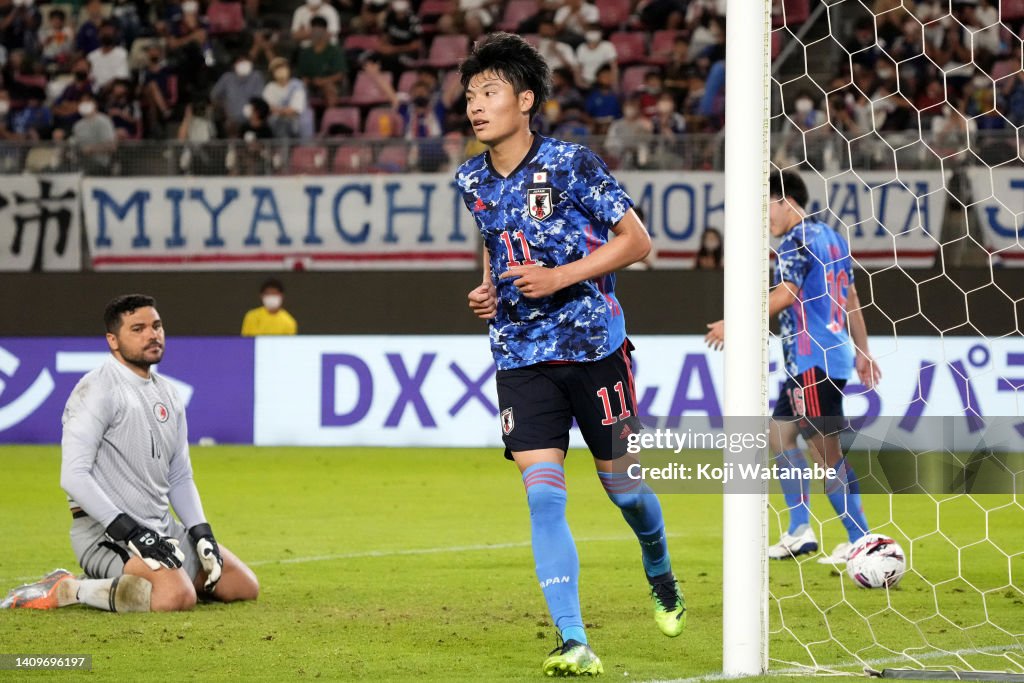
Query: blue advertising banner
x=213, y=376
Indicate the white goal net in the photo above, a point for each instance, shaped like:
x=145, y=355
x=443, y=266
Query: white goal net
x=903, y=120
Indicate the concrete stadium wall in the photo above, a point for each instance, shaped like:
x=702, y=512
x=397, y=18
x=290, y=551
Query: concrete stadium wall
x=921, y=302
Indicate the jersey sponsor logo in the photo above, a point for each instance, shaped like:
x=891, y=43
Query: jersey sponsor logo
x=508, y=422
x=161, y=412
x=553, y=580
x=538, y=202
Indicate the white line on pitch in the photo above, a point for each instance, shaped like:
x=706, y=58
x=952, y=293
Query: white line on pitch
x=426, y=551
x=796, y=670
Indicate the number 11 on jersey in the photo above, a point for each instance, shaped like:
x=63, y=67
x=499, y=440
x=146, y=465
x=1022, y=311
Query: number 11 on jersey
x=511, y=262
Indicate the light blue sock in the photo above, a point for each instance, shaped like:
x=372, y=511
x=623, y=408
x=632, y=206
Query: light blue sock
x=642, y=511
x=796, y=491
x=844, y=494
x=554, y=552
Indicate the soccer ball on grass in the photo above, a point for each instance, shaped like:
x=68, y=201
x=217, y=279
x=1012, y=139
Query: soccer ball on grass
x=876, y=561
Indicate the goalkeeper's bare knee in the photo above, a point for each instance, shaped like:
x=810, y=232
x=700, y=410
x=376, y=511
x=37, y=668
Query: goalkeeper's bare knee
x=132, y=594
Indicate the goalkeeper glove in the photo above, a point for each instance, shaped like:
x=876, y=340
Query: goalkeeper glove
x=209, y=554
x=155, y=550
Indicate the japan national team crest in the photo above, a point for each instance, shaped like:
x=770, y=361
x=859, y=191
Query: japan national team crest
x=538, y=202
x=160, y=410
x=508, y=422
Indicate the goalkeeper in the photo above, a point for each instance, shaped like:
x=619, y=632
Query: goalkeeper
x=124, y=462
x=814, y=298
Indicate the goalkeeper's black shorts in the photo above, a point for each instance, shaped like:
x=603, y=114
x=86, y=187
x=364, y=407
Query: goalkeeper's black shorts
x=815, y=401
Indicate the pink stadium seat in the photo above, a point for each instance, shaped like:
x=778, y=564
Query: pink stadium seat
x=351, y=160
x=309, y=160
x=1004, y=68
x=225, y=17
x=447, y=51
x=661, y=46
x=348, y=116
x=614, y=13
x=776, y=43
x=383, y=122
x=516, y=11
x=392, y=158
x=631, y=46
x=532, y=39
x=360, y=41
x=407, y=80
x=1011, y=9
x=430, y=10
x=450, y=76
x=365, y=91
x=632, y=79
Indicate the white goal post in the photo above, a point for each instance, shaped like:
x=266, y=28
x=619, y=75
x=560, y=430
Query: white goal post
x=745, y=516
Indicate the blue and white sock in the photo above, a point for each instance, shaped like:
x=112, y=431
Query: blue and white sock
x=642, y=511
x=844, y=494
x=554, y=551
x=795, y=490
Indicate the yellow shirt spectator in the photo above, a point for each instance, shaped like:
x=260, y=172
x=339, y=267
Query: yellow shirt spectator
x=260, y=321
x=270, y=318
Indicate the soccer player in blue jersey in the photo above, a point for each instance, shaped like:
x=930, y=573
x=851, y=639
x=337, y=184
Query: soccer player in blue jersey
x=545, y=209
x=819, y=312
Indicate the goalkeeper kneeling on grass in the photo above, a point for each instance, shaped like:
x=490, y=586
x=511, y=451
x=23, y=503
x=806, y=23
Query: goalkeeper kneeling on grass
x=819, y=316
x=124, y=463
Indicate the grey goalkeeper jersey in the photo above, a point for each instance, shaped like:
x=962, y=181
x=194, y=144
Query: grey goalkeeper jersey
x=125, y=449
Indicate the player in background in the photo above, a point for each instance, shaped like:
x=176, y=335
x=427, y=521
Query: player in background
x=545, y=209
x=819, y=312
x=124, y=461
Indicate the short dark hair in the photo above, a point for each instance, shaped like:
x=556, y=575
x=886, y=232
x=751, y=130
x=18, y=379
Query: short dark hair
x=788, y=184
x=272, y=283
x=119, y=305
x=318, y=21
x=514, y=61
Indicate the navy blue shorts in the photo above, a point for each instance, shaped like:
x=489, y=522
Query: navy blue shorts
x=537, y=405
x=814, y=400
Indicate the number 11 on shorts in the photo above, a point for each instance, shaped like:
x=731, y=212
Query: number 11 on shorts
x=609, y=417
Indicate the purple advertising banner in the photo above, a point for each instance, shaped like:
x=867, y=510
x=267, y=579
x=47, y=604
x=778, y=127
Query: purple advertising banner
x=213, y=376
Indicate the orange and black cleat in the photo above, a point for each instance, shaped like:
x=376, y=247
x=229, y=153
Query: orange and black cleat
x=50, y=592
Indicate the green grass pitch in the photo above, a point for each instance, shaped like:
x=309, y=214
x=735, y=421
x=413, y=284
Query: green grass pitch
x=392, y=564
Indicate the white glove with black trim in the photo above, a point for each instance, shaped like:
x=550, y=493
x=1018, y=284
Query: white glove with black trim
x=209, y=554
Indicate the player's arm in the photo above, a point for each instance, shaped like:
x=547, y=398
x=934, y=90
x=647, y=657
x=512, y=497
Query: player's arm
x=781, y=296
x=86, y=416
x=483, y=300
x=867, y=367
x=184, y=498
x=631, y=244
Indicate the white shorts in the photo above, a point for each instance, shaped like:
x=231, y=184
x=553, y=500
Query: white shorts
x=102, y=558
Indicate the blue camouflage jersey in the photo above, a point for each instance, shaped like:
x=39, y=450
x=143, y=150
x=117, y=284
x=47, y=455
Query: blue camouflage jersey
x=556, y=207
x=816, y=259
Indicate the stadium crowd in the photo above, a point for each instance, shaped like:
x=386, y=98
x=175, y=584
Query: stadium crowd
x=310, y=70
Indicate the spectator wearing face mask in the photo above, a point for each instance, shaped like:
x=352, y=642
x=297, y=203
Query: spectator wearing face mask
x=270, y=318
x=290, y=114
x=572, y=20
x=627, y=137
x=65, y=109
x=190, y=47
x=159, y=91
x=594, y=53
x=109, y=61
x=94, y=136
x=233, y=91
x=56, y=38
x=302, y=20
x=667, y=121
x=401, y=39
